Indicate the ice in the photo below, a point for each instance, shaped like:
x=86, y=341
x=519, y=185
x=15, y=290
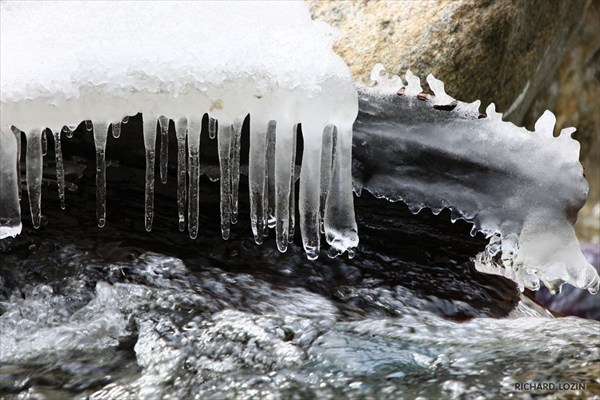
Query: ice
x=268, y=60
x=60, y=169
x=100, y=135
x=521, y=189
x=150, y=145
x=10, y=212
x=164, y=148
x=224, y=139
x=283, y=182
x=34, y=174
x=180, y=131
x=236, y=132
x=257, y=177
x=193, y=129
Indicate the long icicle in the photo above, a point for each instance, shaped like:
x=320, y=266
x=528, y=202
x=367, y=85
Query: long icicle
x=283, y=182
x=34, y=168
x=100, y=135
x=326, y=166
x=224, y=137
x=150, y=145
x=10, y=207
x=256, y=176
x=164, y=148
x=17, y=134
x=310, y=177
x=341, y=230
x=270, y=189
x=292, y=226
x=236, y=136
x=194, y=132
x=180, y=129
x=60, y=169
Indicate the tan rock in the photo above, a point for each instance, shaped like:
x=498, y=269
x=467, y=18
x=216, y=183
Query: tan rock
x=500, y=51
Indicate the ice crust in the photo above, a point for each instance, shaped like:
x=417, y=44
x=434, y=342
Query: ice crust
x=521, y=189
x=66, y=62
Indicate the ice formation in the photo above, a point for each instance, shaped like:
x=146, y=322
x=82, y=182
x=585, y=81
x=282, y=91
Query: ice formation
x=522, y=189
x=99, y=62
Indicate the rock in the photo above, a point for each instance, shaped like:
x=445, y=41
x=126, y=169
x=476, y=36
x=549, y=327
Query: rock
x=495, y=51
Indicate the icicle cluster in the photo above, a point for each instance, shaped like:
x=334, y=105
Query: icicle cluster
x=265, y=59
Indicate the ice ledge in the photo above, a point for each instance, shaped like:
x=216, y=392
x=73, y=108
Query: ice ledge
x=521, y=189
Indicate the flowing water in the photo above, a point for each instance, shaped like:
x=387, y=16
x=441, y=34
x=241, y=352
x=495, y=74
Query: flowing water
x=120, y=313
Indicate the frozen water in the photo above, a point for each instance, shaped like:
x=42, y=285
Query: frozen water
x=522, y=189
x=266, y=59
x=10, y=209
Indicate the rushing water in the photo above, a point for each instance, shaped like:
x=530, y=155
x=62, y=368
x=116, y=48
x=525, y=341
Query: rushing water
x=119, y=313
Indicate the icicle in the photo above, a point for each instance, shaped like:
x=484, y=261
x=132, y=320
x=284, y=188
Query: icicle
x=100, y=135
x=150, y=145
x=44, y=143
x=34, y=168
x=270, y=185
x=126, y=119
x=236, y=136
x=194, y=128
x=566, y=133
x=256, y=176
x=17, y=134
x=164, y=148
x=180, y=129
x=89, y=126
x=341, y=231
x=326, y=165
x=413, y=86
x=10, y=209
x=212, y=127
x=283, y=182
x=437, y=87
x=60, y=170
x=224, y=143
x=544, y=126
x=292, y=226
x=116, y=129
x=310, y=186
x=381, y=78
x=491, y=113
